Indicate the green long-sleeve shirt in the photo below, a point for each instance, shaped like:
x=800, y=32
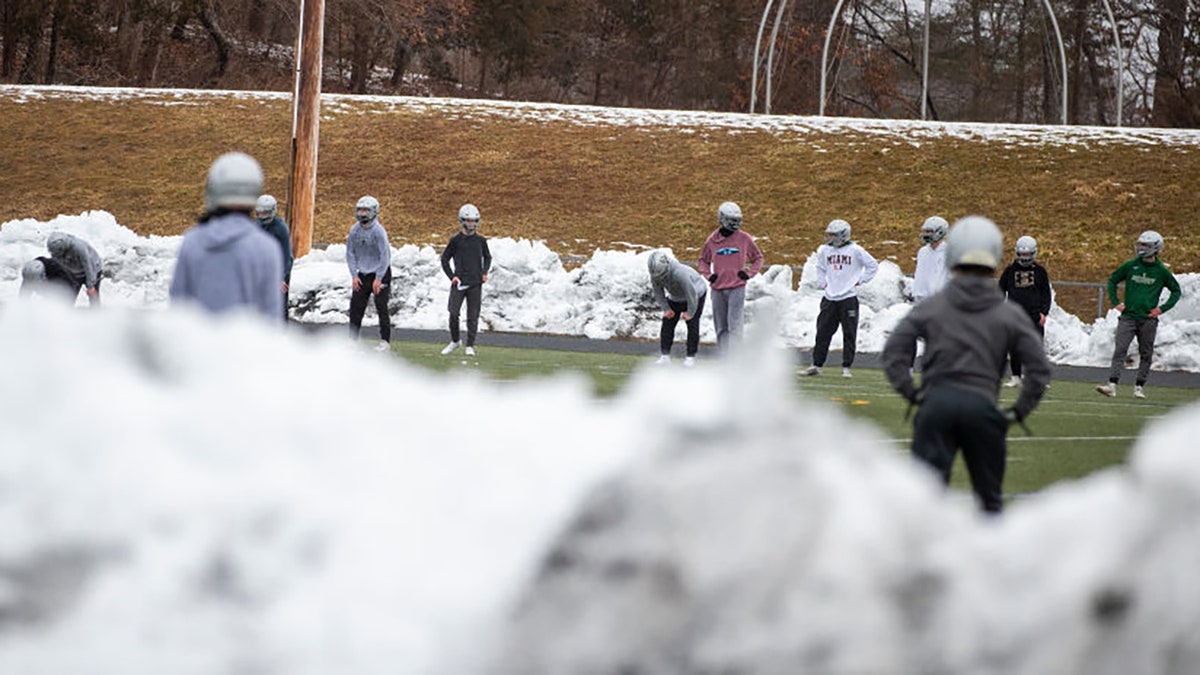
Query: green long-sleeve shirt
x=1144, y=282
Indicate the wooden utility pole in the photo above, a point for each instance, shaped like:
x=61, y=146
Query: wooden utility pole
x=306, y=121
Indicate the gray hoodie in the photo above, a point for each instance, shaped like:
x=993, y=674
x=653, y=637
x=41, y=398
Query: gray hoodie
x=681, y=284
x=76, y=256
x=368, y=250
x=969, y=330
x=227, y=261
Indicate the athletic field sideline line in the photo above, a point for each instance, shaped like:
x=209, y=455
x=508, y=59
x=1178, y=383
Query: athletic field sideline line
x=1027, y=439
x=648, y=348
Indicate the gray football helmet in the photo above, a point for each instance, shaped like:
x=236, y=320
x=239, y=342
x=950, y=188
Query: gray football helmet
x=729, y=216
x=1026, y=250
x=658, y=264
x=837, y=233
x=265, y=209
x=367, y=209
x=1149, y=244
x=934, y=229
x=234, y=182
x=976, y=241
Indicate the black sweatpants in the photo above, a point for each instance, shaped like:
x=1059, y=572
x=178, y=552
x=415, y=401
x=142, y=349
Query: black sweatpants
x=1013, y=359
x=666, y=336
x=834, y=313
x=358, y=305
x=287, y=281
x=950, y=419
x=474, y=298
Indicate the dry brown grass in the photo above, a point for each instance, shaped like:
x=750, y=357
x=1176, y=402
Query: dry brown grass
x=583, y=187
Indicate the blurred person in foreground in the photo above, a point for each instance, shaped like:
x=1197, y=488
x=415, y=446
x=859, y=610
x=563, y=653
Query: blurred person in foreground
x=1145, y=277
x=226, y=261
x=266, y=211
x=80, y=261
x=369, y=257
x=680, y=291
x=969, y=330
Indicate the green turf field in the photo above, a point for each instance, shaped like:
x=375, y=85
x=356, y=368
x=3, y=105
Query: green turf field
x=1075, y=430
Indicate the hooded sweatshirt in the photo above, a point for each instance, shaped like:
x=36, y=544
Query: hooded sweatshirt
x=930, y=275
x=368, y=250
x=76, y=256
x=840, y=269
x=680, y=283
x=727, y=254
x=1028, y=286
x=969, y=330
x=227, y=261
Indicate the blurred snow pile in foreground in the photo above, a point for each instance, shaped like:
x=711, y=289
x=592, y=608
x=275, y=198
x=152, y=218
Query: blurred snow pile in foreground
x=182, y=495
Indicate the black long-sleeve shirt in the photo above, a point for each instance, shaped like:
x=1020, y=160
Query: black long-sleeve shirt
x=1028, y=286
x=471, y=258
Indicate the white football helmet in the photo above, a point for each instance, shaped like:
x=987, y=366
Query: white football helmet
x=1026, y=250
x=265, y=209
x=367, y=209
x=837, y=233
x=1149, y=244
x=468, y=218
x=659, y=263
x=934, y=229
x=976, y=241
x=729, y=216
x=234, y=182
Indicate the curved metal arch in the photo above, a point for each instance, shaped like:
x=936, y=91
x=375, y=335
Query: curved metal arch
x=1062, y=52
x=1120, y=62
x=837, y=10
x=762, y=24
x=1062, y=57
x=771, y=51
x=757, y=42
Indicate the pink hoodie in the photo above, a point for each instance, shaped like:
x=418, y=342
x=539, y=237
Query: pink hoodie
x=725, y=256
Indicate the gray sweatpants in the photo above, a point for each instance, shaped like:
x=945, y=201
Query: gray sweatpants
x=1145, y=330
x=727, y=304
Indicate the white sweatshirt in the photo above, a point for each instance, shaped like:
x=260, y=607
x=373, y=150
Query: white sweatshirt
x=930, y=274
x=839, y=270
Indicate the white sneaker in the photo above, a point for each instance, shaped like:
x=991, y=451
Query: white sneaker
x=1137, y=391
x=383, y=346
x=449, y=348
x=846, y=373
x=689, y=361
x=470, y=351
x=811, y=370
x=1014, y=381
x=663, y=360
x=1108, y=389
